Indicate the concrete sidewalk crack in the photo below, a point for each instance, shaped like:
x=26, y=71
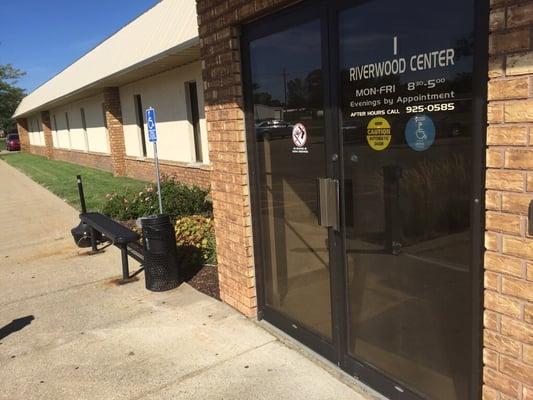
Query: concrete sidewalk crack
x=53, y=292
x=200, y=371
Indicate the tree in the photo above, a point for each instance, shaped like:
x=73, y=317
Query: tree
x=10, y=95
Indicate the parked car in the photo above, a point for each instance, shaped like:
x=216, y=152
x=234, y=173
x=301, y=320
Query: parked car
x=271, y=128
x=12, y=142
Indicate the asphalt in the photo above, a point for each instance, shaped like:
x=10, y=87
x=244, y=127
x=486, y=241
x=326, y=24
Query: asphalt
x=68, y=331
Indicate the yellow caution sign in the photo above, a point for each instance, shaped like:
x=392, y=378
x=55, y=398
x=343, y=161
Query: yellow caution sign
x=378, y=133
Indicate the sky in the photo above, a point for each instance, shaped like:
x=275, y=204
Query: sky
x=44, y=37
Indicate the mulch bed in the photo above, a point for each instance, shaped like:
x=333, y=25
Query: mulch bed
x=203, y=278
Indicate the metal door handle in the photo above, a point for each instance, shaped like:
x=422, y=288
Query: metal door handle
x=328, y=199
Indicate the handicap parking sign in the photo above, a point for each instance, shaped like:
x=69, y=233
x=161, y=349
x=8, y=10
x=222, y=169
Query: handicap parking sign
x=150, y=122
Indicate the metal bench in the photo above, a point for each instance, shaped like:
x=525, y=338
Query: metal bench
x=125, y=239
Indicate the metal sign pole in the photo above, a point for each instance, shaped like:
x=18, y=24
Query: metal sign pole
x=156, y=158
x=152, y=137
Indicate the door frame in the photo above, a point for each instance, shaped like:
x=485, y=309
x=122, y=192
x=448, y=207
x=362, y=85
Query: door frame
x=337, y=350
x=304, y=11
x=366, y=373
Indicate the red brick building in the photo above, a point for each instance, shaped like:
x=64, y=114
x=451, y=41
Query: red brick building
x=92, y=112
x=416, y=275
x=371, y=168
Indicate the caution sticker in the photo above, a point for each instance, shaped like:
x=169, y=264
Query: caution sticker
x=378, y=133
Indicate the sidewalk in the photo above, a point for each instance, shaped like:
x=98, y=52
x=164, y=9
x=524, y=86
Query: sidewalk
x=82, y=337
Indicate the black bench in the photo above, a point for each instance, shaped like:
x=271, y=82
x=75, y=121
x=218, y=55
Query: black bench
x=125, y=239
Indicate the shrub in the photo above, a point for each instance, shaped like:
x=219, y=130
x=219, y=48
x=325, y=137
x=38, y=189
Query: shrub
x=177, y=198
x=195, y=239
x=118, y=206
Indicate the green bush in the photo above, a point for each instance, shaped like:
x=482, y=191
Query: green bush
x=177, y=198
x=195, y=238
x=118, y=206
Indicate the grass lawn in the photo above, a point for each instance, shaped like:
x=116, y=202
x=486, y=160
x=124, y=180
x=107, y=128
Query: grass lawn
x=60, y=178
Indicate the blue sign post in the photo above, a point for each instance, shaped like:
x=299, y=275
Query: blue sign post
x=150, y=122
x=152, y=137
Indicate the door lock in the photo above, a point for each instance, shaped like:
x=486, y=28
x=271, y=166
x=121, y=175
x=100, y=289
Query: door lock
x=328, y=199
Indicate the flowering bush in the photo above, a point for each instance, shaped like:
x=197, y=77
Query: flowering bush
x=118, y=206
x=177, y=198
x=195, y=239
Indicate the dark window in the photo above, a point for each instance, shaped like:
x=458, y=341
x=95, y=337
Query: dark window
x=83, y=121
x=104, y=116
x=194, y=117
x=139, y=116
x=84, y=126
x=67, y=121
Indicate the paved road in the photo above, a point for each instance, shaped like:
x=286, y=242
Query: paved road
x=79, y=336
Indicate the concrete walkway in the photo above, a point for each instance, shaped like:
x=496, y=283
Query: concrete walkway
x=68, y=332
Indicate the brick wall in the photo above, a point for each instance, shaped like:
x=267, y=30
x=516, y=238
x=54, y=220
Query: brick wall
x=218, y=25
x=37, y=150
x=93, y=160
x=191, y=175
x=22, y=128
x=508, y=318
x=113, y=115
x=47, y=130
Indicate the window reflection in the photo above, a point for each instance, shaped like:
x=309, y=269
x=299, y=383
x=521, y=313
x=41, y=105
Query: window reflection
x=287, y=90
x=408, y=223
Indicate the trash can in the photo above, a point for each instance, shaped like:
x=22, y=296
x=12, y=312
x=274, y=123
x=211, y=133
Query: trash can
x=160, y=254
x=82, y=235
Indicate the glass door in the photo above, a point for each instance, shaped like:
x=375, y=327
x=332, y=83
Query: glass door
x=286, y=101
x=406, y=102
x=364, y=125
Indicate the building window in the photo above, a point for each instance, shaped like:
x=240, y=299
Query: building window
x=139, y=116
x=30, y=131
x=55, y=136
x=105, y=126
x=104, y=117
x=193, y=114
x=67, y=124
x=84, y=127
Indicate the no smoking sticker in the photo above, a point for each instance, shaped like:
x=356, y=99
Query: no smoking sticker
x=378, y=133
x=299, y=138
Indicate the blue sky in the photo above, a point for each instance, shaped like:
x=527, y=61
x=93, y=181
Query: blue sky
x=44, y=37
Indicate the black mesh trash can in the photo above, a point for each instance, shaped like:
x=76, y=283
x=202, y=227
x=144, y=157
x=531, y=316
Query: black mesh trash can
x=160, y=255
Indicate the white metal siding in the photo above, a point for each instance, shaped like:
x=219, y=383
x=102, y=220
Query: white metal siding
x=166, y=93
x=96, y=133
x=168, y=25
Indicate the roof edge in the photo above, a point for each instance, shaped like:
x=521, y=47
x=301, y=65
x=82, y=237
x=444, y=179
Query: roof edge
x=182, y=46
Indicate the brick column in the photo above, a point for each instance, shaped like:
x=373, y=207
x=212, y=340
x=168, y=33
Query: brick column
x=218, y=29
x=508, y=317
x=113, y=115
x=47, y=130
x=22, y=128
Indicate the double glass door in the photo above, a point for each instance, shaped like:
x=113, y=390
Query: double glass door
x=362, y=135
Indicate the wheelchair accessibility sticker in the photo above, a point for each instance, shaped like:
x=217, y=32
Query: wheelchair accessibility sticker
x=420, y=132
